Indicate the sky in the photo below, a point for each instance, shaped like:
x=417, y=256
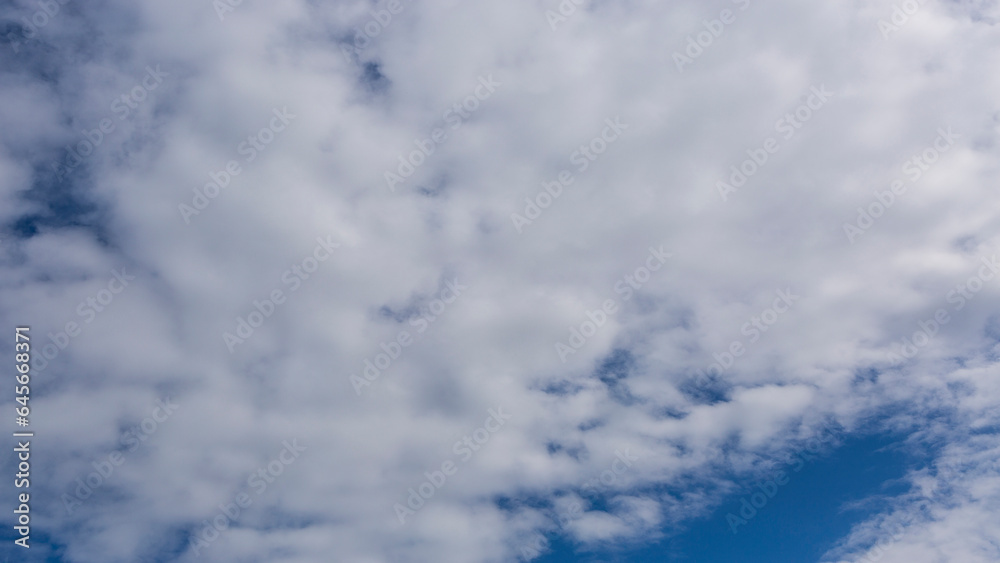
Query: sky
x=534, y=280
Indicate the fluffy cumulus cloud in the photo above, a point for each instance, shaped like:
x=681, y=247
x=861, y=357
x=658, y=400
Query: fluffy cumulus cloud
x=445, y=281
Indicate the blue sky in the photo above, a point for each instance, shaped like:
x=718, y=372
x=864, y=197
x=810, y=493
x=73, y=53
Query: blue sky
x=537, y=280
x=805, y=518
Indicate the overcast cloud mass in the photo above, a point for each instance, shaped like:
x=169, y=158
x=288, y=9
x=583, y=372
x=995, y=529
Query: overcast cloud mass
x=436, y=281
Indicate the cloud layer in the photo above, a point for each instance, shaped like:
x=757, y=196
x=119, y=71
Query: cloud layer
x=576, y=266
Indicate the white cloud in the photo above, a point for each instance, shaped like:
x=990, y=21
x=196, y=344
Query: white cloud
x=656, y=185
